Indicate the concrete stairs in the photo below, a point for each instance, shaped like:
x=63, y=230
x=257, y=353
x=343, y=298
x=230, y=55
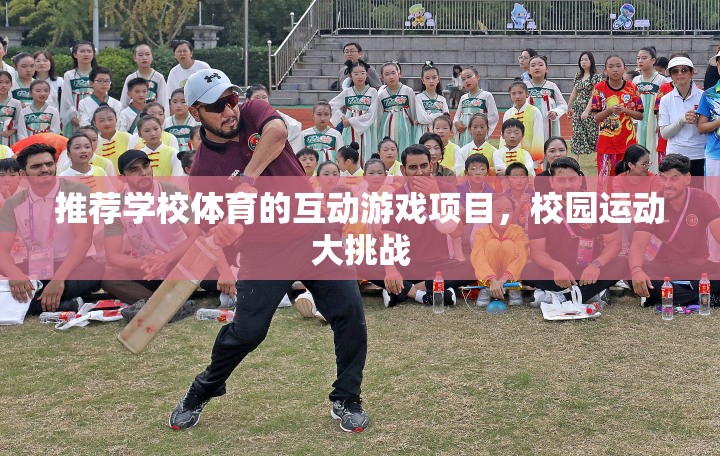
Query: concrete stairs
x=494, y=56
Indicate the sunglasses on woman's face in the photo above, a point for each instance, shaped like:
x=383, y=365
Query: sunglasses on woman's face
x=682, y=70
x=222, y=103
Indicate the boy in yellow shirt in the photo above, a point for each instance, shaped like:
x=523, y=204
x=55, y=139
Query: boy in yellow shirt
x=531, y=117
x=501, y=249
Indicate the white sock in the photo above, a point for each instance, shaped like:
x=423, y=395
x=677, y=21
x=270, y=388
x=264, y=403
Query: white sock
x=419, y=296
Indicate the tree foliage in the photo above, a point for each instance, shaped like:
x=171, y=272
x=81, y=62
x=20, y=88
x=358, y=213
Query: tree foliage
x=51, y=21
x=156, y=22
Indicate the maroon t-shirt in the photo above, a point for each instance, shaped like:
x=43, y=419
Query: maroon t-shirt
x=691, y=241
x=427, y=244
x=231, y=158
x=562, y=244
x=284, y=174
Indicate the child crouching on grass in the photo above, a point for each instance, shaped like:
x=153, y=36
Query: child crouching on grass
x=501, y=249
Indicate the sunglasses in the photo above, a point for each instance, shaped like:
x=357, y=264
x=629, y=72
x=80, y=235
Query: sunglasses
x=220, y=105
x=680, y=70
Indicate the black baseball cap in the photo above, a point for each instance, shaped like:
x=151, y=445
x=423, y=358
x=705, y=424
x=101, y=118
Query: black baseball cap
x=129, y=157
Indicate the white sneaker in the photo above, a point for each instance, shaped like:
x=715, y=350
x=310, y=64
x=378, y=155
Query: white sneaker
x=285, y=302
x=386, y=298
x=305, y=304
x=541, y=296
x=226, y=301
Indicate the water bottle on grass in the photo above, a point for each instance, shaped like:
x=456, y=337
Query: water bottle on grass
x=223, y=315
x=56, y=317
x=704, y=295
x=438, y=294
x=668, y=311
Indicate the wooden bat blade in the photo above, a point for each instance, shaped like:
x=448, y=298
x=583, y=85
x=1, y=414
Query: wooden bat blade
x=169, y=297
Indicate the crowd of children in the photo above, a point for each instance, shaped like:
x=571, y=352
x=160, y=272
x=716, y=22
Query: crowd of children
x=368, y=128
x=36, y=101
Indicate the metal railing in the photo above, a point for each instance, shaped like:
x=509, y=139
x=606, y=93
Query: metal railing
x=492, y=16
x=545, y=16
x=317, y=17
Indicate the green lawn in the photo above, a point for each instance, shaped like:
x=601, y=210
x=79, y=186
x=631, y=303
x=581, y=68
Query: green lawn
x=463, y=383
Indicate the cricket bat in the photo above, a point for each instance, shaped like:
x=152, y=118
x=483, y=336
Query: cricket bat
x=171, y=295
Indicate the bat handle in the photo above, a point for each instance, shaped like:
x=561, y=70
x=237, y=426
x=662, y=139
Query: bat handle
x=210, y=240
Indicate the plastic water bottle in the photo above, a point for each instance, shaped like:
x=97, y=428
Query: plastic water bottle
x=515, y=298
x=592, y=308
x=223, y=315
x=667, y=300
x=704, y=295
x=483, y=298
x=56, y=317
x=438, y=294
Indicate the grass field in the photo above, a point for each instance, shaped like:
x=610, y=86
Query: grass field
x=462, y=383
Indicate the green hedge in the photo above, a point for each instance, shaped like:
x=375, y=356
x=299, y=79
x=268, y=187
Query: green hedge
x=120, y=62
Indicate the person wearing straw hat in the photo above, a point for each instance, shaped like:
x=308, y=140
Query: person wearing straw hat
x=712, y=75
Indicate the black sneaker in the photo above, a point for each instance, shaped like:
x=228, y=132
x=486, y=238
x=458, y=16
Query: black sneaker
x=714, y=300
x=187, y=413
x=449, y=298
x=351, y=414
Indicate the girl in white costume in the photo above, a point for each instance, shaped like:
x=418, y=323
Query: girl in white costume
x=429, y=104
x=24, y=71
x=157, y=87
x=356, y=107
x=45, y=71
x=76, y=85
x=321, y=137
x=38, y=116
x=546, y=96
x=396, y=108
x=473, y=102
x=648, y=84
x=12, y=128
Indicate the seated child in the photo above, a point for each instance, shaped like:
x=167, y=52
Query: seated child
x=163, y=158
x=80, y=152
x=500, y=250
x=308, y=159
x=138, y=92
x=195, y=141
x=476, y=170
x=9, y=178
x=186, y=160
x=100, y=79
x=443, y=127
x=531, y=117
x=156, y=110
x=9, y=185
x=97, y=161
x=38, y=116
x=321, y=136
x=349, y=160
x=517, y=187
x=478, y=126
x=512, y=132
x=180, y=123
